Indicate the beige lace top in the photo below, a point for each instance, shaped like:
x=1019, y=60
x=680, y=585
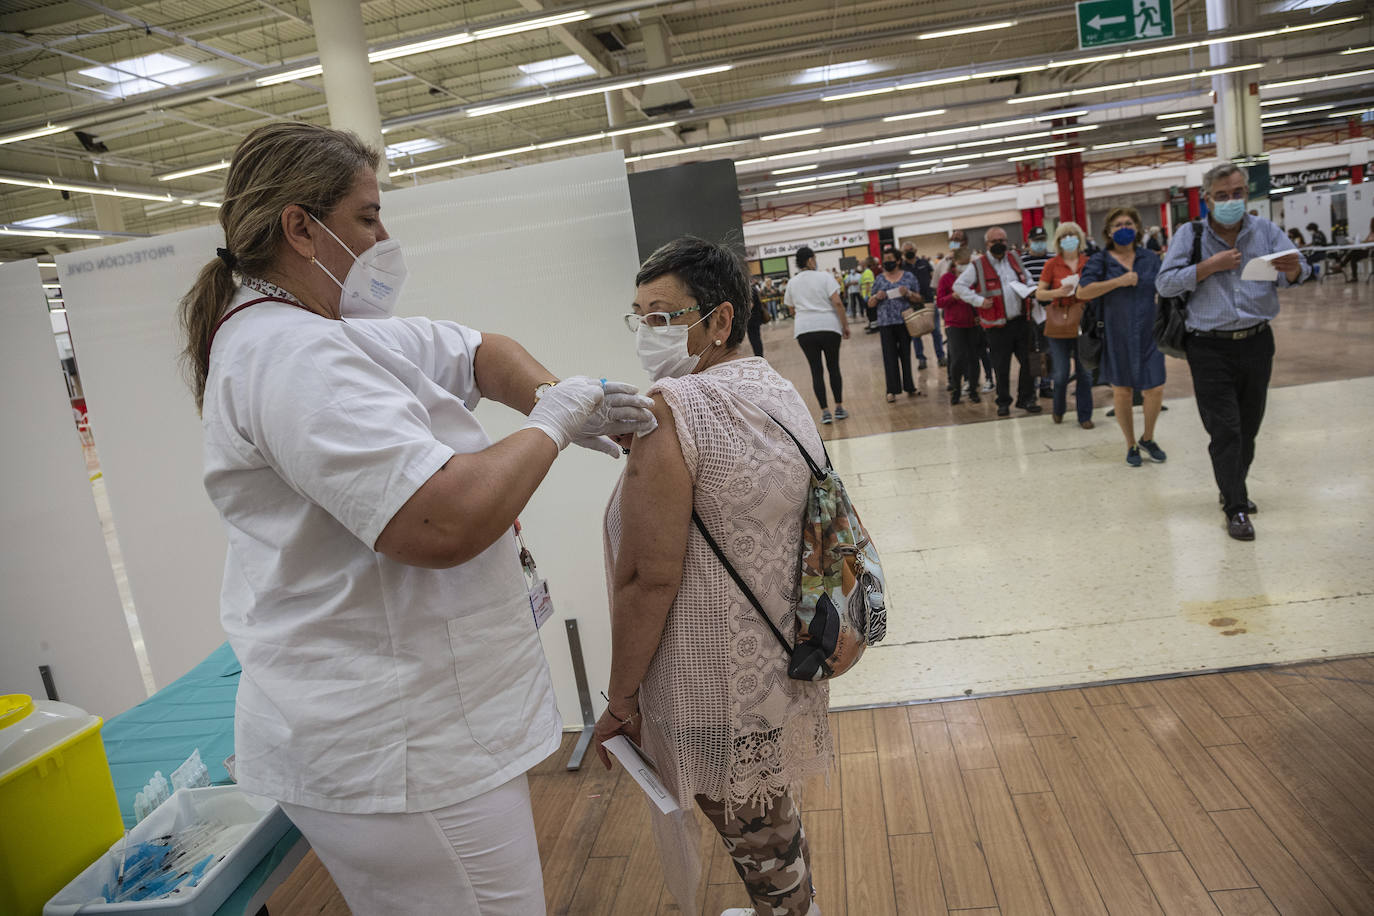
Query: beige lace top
x=721, y=717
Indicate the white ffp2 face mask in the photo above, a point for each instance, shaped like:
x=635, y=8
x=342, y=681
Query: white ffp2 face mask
x=663, y=351
x=374, y=281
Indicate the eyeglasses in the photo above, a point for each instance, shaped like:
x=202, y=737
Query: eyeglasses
x=654, y=320
x=1235, y=195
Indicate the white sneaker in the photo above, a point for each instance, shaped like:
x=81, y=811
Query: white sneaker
x=749, y=911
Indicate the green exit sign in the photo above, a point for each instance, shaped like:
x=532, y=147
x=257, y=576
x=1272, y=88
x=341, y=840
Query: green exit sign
x=1116, y=22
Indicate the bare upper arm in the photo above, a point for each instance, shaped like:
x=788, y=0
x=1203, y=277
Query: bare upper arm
x=655, y=508
x=418, y=534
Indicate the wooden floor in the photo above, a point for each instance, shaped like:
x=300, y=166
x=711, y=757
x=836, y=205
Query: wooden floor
x=1236, y=794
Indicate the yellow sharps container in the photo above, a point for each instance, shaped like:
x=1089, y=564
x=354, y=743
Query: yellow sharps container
x=58, y=811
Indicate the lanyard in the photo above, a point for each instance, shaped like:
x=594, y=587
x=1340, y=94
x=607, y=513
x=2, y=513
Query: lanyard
x=238, y=308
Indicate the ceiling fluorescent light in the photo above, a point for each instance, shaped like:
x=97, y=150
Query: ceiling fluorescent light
x=419, y=47
x=795, y=168
x=1295, y=111
x=543, y=22
x=942, y=81
x=792, y=181
x=52, y=233
x=1283, y=101
x=299, y=73
x=1363, y=50
x=622, y=131
x=197, y=170
x=854, y=95
x=52, y=264
x=1178, y=114
x=1194, y=126
x=802, y=152
x=506, y=106
x=915, y=114
x=1273, y=123
x=967, y=30
x=1316, y=79
x=1042, y=155
x=51, y=185
x=47, y=131
x=1350, y=114
x=755, y=161
x=687, y=74
x=1099, y=58
x=791, y=133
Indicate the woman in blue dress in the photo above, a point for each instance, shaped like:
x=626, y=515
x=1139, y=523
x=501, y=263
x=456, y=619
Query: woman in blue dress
x=1123, y=275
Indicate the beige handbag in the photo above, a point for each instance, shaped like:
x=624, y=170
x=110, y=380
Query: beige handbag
x=919, y=322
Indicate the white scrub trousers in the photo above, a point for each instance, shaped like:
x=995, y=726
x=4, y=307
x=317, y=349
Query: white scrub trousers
x=476, y=858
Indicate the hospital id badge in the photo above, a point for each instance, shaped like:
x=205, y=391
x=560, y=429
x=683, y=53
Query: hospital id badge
x=540, y=602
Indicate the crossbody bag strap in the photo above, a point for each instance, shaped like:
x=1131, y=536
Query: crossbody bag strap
x=816, y=472
x=748, y=593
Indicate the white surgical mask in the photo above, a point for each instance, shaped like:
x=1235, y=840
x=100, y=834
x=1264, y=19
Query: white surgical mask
x=663, y=351
x=374, y=281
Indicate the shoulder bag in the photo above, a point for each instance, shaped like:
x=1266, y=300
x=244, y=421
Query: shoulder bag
x=841, y=607
x=1171, y=317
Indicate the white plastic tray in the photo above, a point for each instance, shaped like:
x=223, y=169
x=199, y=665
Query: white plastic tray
x=260, y=820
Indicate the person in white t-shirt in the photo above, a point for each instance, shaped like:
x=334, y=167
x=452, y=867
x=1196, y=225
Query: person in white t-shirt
x=814, y=297
x=393, y=690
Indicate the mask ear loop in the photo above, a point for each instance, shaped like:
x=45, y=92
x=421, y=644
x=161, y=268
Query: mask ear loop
x=315, y=261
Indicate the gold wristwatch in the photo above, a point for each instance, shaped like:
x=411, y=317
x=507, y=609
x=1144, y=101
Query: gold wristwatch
x=542, y=388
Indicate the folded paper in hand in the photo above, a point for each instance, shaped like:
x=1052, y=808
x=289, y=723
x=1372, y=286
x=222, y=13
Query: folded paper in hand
x=894, y=293
x=1070, y=280
x=1022, y=290
x=1262, y=268
x=641, y=768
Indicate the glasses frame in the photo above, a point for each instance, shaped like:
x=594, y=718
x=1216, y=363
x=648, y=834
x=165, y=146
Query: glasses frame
x=634, y=320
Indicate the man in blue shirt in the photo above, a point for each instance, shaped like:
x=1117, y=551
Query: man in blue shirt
x=1230, y=343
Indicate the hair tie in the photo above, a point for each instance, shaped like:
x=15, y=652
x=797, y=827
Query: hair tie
x=227, y=257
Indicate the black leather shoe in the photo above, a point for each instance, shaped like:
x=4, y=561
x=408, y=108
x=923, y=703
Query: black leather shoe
x=974, y=397
x=1004, y=411
x=1250, y=507
x=1239, y=527
x=1033, y=408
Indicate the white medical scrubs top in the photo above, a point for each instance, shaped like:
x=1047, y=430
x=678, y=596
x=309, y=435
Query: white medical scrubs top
x=368, y=685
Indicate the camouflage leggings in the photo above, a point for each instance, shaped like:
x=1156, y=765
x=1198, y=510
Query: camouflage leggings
x=770, y=853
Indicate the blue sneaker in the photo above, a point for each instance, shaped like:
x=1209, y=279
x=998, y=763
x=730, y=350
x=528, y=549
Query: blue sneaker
x=841, y=413
x=825, y=417
x=1153, y=450
x=1133, y=457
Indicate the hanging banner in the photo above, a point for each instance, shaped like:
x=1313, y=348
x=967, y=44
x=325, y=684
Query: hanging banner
x=827, y=243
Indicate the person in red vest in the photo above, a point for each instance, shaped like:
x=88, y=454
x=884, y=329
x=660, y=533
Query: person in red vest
x=989, y=284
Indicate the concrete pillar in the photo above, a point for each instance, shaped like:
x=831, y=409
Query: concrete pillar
x=348, y=87
x=1235, y=96
x=109, y=213
x=615, y=117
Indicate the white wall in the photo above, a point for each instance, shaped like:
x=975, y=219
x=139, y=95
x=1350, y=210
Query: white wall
x=61, y=607
x=469, y=245
x=1359, y=208
x=1311, y=207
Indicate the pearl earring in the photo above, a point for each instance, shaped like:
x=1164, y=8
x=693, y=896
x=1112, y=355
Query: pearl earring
x=720, y=343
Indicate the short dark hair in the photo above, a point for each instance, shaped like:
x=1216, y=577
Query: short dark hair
x=712, y=274
x=804, y=254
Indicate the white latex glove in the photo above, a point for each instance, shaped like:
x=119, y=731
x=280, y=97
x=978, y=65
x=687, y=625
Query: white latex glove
x=623, y=410
x=565, y=408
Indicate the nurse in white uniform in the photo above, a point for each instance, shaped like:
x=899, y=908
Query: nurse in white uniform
x=394, y=692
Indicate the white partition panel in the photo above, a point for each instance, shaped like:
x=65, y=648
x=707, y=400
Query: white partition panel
x=545, y=254
x=1359, y=208
x=60, y=604
x=121, y=307
x=1311, y=207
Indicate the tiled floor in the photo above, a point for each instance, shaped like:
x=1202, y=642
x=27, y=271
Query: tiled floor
x=1022, y=554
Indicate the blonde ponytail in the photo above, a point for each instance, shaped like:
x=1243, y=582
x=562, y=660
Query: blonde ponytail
x=199, y=311
x=275, y=166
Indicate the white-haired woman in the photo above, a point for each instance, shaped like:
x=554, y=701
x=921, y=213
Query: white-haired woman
x=1057, y=289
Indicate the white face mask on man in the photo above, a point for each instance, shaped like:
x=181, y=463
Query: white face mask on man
x=374, y=281
x=663, y=351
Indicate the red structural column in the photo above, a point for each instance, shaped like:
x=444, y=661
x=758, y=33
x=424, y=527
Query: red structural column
x=1164, y=217
x=1027, y=222
x=1080, y=199
x=1355, y=130
x=1194, y=203
x=1063, y=178
x=1357, y=174
x=875, y=248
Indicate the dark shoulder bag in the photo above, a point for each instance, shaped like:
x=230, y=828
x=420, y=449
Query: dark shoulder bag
x=1171, y=318
x=1091, y=329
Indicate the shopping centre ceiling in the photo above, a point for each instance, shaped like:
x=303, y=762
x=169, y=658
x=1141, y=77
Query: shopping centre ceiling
x=149, y=98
